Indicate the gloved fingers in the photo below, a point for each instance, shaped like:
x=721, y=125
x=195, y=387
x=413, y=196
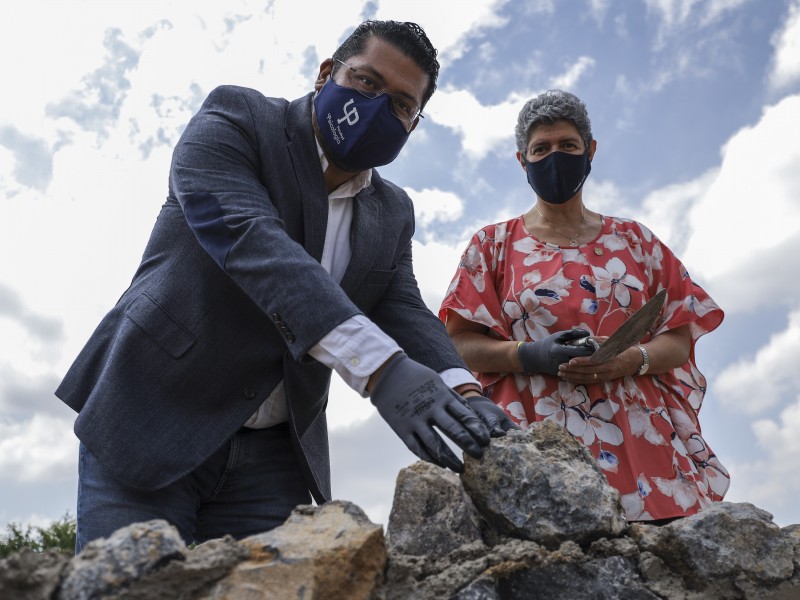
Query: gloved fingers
x=572, y=334
x=573, y=351
x=463, y=417
x=439, y=453
x=494, y=417
x=464, y=434
x=508, y=424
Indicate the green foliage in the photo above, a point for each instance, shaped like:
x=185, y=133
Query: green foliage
x=60, y=535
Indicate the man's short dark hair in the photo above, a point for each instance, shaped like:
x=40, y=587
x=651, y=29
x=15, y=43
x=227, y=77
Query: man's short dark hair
x=407, y=37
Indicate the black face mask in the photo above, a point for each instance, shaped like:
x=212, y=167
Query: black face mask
x=558, y=176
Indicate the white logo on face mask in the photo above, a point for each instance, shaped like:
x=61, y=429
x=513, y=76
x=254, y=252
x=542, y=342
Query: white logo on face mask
x=351, y=116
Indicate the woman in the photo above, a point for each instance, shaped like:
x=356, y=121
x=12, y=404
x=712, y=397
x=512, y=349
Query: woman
x=528, y=286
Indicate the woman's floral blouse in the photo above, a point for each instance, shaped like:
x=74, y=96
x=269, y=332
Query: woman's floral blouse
x=643, y=430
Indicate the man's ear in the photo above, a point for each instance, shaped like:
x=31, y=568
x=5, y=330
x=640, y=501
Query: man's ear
x=521, y=161
x=592, y=149
x=324, y=72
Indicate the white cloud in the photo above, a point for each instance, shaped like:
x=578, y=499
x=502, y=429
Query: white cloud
x=771, y=480
x=751, y=206
x=490, y=128
x=675, y=13
x=483, y=129
x=569, y=79
x=667, y=212
x=752, y=385
x=450, y=28
x=786, y=61
x=43, y=448
x=434, y=205
x=780, y=439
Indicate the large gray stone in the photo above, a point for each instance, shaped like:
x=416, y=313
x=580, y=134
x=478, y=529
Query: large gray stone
x=31, y=575
x=107, y=565
x=542, y=485
x=330, y=552
x=723, y=550
x=431, y=514
x=613, y=578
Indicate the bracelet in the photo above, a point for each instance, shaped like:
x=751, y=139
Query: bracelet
x=519, y=344
x=645, y=361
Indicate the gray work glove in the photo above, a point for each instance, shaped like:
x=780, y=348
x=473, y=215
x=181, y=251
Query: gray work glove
x=413, y=398
x=544, y=357
x=494, y=417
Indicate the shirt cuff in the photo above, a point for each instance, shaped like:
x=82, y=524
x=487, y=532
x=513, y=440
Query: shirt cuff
x=458, y=376
x=355, y=349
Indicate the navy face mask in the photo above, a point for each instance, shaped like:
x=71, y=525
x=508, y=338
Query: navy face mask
x=359, y=132
x=558, y=176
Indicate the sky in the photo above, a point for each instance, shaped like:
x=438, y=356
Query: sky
x=695, y=105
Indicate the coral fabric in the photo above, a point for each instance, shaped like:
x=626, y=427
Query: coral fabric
x=643, y=430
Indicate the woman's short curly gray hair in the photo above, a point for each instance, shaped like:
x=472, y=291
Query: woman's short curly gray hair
x=549, y=107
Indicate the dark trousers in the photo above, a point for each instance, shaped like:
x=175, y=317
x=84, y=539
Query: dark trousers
x=250, y=485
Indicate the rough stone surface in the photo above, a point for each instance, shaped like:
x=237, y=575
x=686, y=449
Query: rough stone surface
x=526, y=545
x=332, y=552
x=32, y=575
x=118, y=561
x=432, y=514
x=721, y=547
x=613, y=578
x=542, y=485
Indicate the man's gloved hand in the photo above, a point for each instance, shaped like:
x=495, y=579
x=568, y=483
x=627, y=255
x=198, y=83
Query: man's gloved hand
x=412, y=398
x=494, y=417
x=543, y=357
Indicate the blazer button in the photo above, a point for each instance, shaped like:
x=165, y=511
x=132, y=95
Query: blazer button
x=249, y=394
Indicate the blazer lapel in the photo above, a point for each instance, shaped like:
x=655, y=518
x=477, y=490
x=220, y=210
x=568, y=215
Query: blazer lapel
x=305, y=158
x=365, y=236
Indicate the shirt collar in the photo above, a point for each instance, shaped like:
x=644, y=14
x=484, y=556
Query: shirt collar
x=352, y=186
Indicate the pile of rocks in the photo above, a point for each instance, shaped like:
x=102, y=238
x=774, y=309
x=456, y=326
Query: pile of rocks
x=535, y=518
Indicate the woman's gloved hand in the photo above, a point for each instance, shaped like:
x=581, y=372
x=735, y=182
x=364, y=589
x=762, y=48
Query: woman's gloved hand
x=544, y=357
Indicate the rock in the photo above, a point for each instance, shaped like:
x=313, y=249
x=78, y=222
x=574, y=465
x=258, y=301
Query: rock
x=31, y=575
x=331, y=552
x=431, y=514
x=542, y=485
x=126, y=556
x=549, y=527
x=613, y=578
x=722, y=549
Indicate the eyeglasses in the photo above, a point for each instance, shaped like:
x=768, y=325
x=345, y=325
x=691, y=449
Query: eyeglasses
x=366, y=83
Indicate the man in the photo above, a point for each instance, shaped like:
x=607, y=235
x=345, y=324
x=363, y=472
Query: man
x=280, y=254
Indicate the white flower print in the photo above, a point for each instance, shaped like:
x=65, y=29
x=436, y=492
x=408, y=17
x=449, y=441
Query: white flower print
x=633, y=503
x=475, y=266
x=615, y=279
x=716, y=475
x=517, y=411
x=481, y=315
x=529, y=320
x=534, y=251
x=499, y=246
x=682, y=490
x=640, y=416
x=563, y=407
x=598, y=419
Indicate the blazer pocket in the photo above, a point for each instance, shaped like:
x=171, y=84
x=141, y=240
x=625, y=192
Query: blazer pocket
x=159, y=326
x=378, y=277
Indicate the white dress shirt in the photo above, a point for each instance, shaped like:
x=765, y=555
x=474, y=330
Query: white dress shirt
x=357, y=347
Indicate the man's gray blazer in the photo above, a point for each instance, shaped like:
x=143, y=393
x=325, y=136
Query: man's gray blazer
x=230, y=296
